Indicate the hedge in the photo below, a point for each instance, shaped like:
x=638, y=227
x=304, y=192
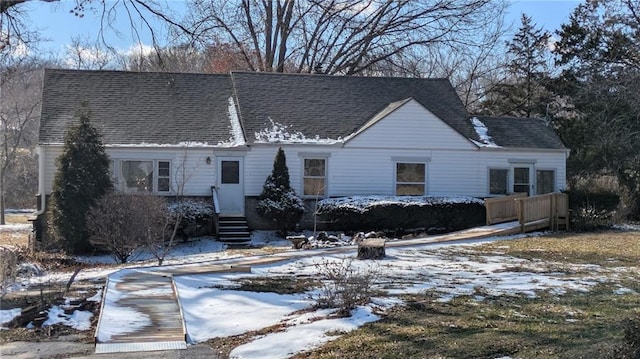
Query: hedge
x=400, y=213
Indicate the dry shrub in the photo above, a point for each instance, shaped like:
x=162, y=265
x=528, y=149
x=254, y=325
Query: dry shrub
x=121, y=223
x=8, y=267
x=344, y=286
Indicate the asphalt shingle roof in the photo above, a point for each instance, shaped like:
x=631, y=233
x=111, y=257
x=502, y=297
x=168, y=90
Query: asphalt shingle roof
x=133, y=108
x=337, y=106
x=522, y=132
x=136, y=107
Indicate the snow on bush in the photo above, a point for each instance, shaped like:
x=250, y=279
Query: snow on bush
x=400, y=213
x=195, y=217
x=362, y=204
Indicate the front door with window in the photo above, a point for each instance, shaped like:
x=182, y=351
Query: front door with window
x=522, y=179
x=230, y=186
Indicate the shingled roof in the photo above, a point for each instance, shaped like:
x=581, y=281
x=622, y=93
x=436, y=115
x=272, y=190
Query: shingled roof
x=136, y=108
x=337, y=106
x=522, y=132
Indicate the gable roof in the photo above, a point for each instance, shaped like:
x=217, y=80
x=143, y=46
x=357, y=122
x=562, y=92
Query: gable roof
x=136, y=108
x=337, y=106
x=133, y=108
x=521, y=132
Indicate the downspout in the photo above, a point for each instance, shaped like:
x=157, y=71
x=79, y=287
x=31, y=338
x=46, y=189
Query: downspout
x=41, y=184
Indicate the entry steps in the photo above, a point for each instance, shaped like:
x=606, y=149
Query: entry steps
x=233, y=229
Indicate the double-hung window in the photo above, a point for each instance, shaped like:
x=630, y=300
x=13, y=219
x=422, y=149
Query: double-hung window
x=545, y=181
x=498, y=181
x=142, y=176
x=314, y=177
x=410, y=179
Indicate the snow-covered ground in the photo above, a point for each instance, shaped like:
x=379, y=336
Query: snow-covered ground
x=213, y=306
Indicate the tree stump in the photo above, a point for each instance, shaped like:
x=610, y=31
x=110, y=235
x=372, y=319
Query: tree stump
x=298, y=242
x=371, y=248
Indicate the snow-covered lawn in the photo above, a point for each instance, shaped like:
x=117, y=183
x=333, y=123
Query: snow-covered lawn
x=214, y=307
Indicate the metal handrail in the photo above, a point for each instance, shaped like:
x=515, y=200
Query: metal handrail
x=216, y=202
x=216, y=210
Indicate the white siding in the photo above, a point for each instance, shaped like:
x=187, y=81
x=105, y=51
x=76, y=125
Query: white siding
x=410, y=126
x=360, y=171
x=188, y=166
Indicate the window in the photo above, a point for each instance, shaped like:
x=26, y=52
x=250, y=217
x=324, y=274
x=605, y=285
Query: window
x=230, y=172
x=314, y=177
x=498, y=180
x=164, y=176
x=521, y=182
x=137, y=176
x=142, y=176
x=545, y=180
x=410, y=179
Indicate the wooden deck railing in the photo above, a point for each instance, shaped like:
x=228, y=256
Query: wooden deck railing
x=502, y=209
x=535, y=212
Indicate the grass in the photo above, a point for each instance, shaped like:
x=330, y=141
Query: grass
x=607, y=248
x=574, y=325
x=280, y=285
x=15, y=238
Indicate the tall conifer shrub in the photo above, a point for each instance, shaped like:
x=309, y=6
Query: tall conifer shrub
x=81, y=179
x=278, y=202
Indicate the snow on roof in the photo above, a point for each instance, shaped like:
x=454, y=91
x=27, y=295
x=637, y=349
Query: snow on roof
x=279, y=133
x=237, y=135
x=483, y=134
x=362, y=203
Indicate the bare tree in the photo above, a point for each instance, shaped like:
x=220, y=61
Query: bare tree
x=83, y=54
x=161, y=245
x=337, y=36
x=16, y=29
x=20, y=96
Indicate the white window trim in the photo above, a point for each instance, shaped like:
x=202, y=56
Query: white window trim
x=424, y=161
x=314, y=156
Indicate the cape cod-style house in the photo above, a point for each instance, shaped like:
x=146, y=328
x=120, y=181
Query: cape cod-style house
x=343, y=136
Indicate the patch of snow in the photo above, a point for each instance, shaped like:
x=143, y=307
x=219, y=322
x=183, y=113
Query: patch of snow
x=16, y=227
x=79, y=320
x=7, y=315
x=483, y=134
x=622, y=291
x=237, y=134
x=182, y=144
x=212, y=312
x=303, y=337
x=279, y=133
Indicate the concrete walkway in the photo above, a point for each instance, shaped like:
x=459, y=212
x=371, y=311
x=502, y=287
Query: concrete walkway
x=151, y=294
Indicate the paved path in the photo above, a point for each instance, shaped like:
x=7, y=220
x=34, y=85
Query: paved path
x=151, y=294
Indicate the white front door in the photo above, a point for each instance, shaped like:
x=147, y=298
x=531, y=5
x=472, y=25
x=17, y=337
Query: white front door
x=230, y=185
x=522, y=179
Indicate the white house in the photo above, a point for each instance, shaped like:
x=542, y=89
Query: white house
x=342, y=136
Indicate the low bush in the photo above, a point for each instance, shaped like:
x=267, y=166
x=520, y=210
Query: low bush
x=195, y=218
x=380, y=213
x=592, y=210
x=343, y=286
